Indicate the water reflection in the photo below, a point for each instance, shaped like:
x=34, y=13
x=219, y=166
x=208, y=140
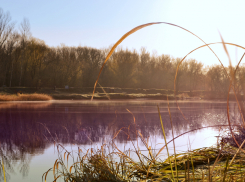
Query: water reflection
x=27, y=129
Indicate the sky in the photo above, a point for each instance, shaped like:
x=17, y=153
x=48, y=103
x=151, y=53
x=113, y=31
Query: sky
x=100, y=23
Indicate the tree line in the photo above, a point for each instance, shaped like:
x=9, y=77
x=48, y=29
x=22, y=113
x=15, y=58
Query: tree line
x=26, y=61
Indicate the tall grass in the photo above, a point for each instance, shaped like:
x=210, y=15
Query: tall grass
x=4, y=177
x=223, y=162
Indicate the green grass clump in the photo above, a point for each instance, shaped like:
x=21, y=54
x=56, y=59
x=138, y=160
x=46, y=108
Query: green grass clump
x=219, y=163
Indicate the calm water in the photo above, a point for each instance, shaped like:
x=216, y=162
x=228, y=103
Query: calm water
x=30, y=130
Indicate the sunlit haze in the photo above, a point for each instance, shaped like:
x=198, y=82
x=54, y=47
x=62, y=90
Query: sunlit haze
x=100, y=24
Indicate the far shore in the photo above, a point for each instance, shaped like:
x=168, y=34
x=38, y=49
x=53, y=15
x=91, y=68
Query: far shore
x=108, y=93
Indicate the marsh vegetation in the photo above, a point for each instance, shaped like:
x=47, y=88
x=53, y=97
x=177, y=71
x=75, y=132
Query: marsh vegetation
x=29, y=62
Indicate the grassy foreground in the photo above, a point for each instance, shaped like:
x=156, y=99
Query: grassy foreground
x=25, y=97
x=223, y=163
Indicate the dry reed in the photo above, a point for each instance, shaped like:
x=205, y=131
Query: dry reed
x=25, y=97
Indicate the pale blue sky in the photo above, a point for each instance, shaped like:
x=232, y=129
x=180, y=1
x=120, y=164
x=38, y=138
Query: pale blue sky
x=100, y=23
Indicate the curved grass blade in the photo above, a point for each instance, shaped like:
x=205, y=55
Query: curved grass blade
x=133, y=31
x=230, y=77
x=216, y=56
x=46, y=173
x=54, y=168
x=189, y=132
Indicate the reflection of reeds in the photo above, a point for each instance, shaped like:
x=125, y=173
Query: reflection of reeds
x=25, y=97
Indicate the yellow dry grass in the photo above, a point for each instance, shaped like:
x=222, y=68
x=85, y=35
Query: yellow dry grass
x=25, y=97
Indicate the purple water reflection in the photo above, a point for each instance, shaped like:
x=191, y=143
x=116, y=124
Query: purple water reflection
x=30, y=129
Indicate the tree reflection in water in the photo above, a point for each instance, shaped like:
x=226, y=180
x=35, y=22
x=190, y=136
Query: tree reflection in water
x=27, y=129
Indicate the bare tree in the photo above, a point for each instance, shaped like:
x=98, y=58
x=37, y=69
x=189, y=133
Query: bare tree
x=25, y=35
x=11, y=45
x=6, y=27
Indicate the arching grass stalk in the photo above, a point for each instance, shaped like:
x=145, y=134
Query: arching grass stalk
x=135, y=30
x=163, y=131
x=231, y=77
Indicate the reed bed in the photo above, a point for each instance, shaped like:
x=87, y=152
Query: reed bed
x=25, y=97
x=218, y=163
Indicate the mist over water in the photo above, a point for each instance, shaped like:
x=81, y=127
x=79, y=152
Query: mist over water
x=31, y=130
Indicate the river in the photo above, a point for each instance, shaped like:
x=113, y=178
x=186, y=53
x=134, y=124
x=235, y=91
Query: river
x=30, y=131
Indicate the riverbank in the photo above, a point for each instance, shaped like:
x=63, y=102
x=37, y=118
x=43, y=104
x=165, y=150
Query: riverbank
x=25, y=97
x=107, y=94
